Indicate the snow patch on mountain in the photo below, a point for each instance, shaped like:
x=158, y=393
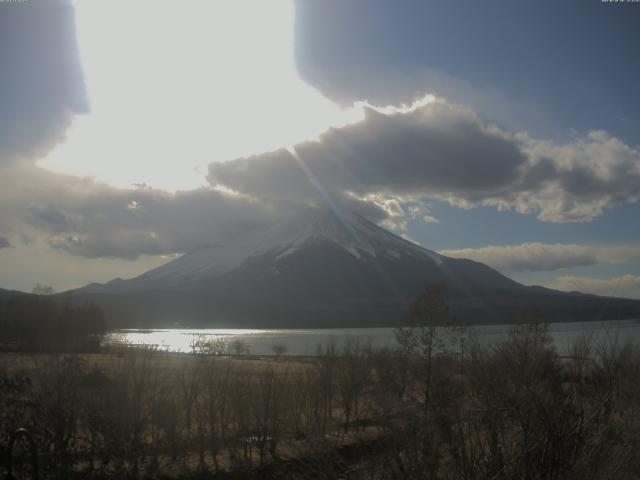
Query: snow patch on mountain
x=356, y=235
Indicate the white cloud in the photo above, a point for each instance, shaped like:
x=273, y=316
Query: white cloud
x=626, y=286
x=423, y=212
x=576, y=181
x=537, y=256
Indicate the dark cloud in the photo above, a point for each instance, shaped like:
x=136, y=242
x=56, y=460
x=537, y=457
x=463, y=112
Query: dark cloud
x=447, y=152
x=128, y=224
x=41, y=85
x=88, y=218
x=49, y=218
x=4, y=243
x=439, y=149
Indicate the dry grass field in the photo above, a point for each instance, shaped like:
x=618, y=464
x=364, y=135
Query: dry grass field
x=514, y=410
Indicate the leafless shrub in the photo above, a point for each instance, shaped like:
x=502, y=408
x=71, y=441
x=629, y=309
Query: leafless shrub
x=278, y=349
x=240, y=347
x=207, y=345
x=352, y=379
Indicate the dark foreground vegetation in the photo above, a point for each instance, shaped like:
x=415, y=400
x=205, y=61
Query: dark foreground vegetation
x=42, y=322
x=434, y=408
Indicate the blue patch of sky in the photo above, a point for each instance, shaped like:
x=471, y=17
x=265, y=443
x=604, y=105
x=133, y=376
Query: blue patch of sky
x=482, y=226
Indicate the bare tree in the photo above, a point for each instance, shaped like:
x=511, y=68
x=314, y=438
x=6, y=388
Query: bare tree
x=278, y=349
x=240, y=347
x=40, y=289
x=205, y=345
x=352, y=379
x=428, y=331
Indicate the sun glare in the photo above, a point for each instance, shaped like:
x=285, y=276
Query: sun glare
x=175, y=85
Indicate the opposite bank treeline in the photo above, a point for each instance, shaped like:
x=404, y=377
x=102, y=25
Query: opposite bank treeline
x=43, y=322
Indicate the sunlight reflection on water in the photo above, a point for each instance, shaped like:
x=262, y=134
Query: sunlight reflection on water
x=306, y=341
x=175, y=340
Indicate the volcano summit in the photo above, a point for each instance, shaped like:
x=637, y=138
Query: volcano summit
x=321, y=268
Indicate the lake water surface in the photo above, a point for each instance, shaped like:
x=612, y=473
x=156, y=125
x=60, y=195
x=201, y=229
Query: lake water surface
x=305, y=342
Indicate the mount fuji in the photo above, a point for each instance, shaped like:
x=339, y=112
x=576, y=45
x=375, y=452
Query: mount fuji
x=320, y=268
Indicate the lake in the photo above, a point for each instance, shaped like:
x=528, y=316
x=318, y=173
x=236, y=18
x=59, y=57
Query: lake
x=305, y=342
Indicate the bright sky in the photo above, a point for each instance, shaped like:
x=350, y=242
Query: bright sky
x=178, y=85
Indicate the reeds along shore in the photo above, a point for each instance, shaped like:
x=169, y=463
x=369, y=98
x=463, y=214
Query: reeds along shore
x=513, y=410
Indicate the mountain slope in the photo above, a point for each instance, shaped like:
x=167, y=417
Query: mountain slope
x=318, y=268
x=353, y=241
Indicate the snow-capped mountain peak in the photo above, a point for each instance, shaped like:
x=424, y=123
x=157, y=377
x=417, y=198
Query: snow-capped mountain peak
x=320, y=268
x=353, y=233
